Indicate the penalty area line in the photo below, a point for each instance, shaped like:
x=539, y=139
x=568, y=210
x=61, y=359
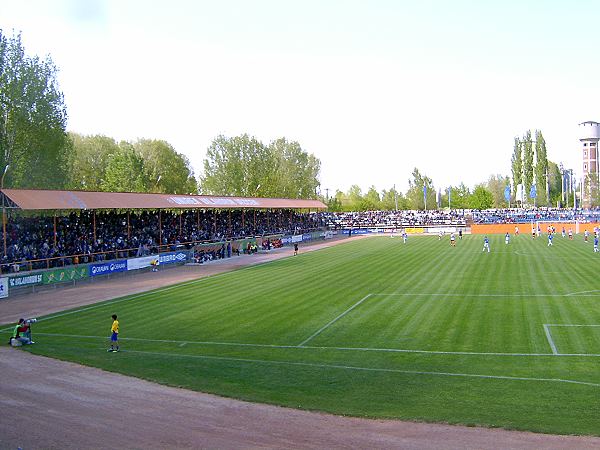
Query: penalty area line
x=367, y=369
x=331, y=322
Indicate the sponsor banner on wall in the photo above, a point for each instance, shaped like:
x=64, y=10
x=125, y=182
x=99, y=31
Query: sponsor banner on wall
x=286, y=240
x=306, y=237
x=107, y=267
x=415, y=230
x=173, y=257
x=436, y=230
x=29, y=279
x=3, y=287
x=143, y=262
x=64, y=275
x=297, y=238
x=357, y=231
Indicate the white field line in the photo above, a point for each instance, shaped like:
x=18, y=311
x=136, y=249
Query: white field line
x=324, y=327
x=367, y=369
x=439, y=294
x=549, y=335
x=550, y=341
x=143, y=294
x=309, y=347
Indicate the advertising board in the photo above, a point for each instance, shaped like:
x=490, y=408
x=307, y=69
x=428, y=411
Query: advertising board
x=30, y=279
x=64, y=275
x=106, y=268
x=3, y=287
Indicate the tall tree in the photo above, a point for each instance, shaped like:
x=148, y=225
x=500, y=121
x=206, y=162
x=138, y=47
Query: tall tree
x=541, y=169
x=528, y=179
x=416, y=192
x=481, y=198
x=371, y=200
x=460, y=197
x=125, y=171
x=517, y=164
x=355, y=198
x=496, y=184
x=555, y=182
x=33, y=117
x=90, y=156
x=296, y=171
x=166, y=170
x=241, y=165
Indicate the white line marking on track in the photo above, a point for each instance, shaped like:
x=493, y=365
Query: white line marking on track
x=550, y=340
x=368, y=369
x=309, y=347
x=324, y=327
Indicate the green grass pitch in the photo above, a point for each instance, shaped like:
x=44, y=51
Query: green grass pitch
x=373, y=327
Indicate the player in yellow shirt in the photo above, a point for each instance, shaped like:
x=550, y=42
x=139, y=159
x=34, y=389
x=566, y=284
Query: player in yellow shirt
x=114, y=336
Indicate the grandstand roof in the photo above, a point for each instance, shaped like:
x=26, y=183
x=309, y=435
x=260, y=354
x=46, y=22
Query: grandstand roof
x=34, y=199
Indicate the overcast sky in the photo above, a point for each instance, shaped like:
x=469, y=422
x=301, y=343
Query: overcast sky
x=372, y=88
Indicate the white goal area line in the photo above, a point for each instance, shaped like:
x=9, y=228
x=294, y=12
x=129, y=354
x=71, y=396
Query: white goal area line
x=549, y=334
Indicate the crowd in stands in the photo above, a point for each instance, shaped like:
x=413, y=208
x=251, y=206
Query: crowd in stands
x=394, y=219
x=521, y=215
x=89, y=236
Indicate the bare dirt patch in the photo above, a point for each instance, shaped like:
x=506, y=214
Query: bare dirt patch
x=47, y=404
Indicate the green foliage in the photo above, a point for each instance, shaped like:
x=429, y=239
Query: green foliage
x=295, y=171
x=555, y=182
x=541, y=168
x=33, y=117
x=166, y=170
x=517, y=164
x=528, y=164
x=459, y=197
x=496, y=185
x=481, y=198
x=462, y=343
x=125, y=171
x=415, y=196
x=244, y=166
x=90, y=156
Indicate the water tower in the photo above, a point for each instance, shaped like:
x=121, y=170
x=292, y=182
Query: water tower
x=589, y=135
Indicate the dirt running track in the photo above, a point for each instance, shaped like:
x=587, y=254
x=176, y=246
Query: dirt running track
x=49, y=404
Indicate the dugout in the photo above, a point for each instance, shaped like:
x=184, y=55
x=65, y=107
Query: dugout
x=54, y=205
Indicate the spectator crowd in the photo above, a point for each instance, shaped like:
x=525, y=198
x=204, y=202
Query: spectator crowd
x=86, y=236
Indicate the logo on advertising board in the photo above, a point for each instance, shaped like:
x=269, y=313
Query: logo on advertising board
x=141, y=263
x=172, y=258
x=64, y=275
x=3, y=287
x=25, y=280
x=108, y=267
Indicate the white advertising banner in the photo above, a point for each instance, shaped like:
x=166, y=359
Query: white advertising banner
x=3, y=287
x=141, y=263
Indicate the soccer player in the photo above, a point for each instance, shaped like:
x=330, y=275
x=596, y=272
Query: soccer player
x=570, y=234
x=563, y=232
x=114, y=336
x=550, y=236
x=404, y=236
x=452, y=240
x=507, y=238
x=586, y=234
x=295, y=248
x=516, y=230
x=486, y=244
x=596, y=244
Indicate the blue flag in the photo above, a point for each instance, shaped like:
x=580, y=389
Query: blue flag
x=449, y=190
x=425, y=193
x=533, y=192
x=507, y=193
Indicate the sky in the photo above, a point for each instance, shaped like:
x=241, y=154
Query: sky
x=372, y=88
